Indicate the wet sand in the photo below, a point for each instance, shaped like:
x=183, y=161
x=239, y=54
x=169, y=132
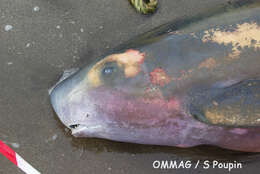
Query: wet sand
x=40, y=39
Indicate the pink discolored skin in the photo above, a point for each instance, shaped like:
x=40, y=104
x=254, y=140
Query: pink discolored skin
x=161, y=122
x=159, y=77
x=183, y=89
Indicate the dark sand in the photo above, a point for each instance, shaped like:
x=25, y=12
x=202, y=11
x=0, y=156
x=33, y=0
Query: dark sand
x=61, y=34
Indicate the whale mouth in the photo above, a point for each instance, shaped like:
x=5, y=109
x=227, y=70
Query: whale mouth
x=74, y=126
x=77, y=128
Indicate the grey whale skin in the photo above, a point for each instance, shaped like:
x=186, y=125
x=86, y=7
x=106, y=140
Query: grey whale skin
x=197, y=85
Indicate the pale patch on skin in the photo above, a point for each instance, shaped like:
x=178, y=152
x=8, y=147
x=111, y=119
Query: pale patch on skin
x=159, y=77
x=230, y=117
x=171, y=104
x=175, y=32
x=238, y=131
x=245, y=35
x=218, y=118
x=209, y=63
x=130, y=61
x=194, y=35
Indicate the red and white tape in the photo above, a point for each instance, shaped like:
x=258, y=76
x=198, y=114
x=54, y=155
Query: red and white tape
x=17, y=159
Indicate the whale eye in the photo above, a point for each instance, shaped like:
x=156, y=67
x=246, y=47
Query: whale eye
x=108, y=70
x=111, y=74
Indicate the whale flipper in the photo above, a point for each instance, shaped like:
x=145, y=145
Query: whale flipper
x=237, y=105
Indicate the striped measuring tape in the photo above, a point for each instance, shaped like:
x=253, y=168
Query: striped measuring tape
x=16, y=159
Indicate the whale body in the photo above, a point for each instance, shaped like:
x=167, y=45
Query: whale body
x=196, y=85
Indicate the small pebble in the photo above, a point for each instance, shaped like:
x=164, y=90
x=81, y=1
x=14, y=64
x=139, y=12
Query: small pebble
x=9, y=63
x=81, y=30
x=58, y=27
x=36, y=8
x=8, y=27
x=54, y=137
x=28, y=45
x=15, y=145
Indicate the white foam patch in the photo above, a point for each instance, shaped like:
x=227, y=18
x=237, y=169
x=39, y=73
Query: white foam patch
x=36, y=8
x=8, y=27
